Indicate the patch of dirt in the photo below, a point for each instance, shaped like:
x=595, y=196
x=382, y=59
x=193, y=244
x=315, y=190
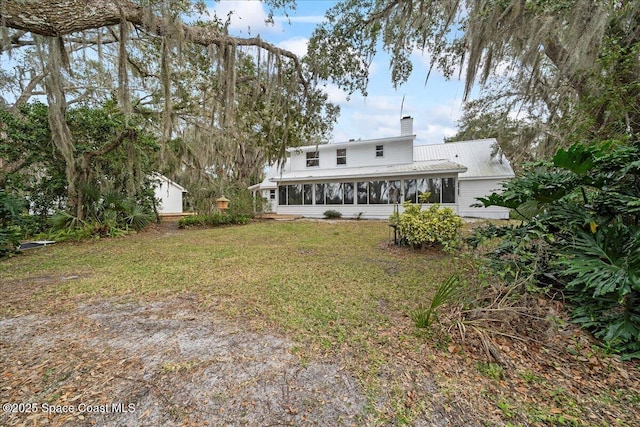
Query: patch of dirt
x=177, y=362
x=163, y=363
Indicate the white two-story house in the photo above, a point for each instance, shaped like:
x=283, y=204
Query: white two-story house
x=372, y=178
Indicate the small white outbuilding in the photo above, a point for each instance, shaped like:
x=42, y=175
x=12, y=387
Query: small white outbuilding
x=169, y=194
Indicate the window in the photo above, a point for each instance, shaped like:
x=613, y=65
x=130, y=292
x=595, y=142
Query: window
x=272, y=194
x=448, y=190
x=313, y=159
x=379, y=150
x=378, y=193
x=429, y=185
x=394, y=191
x=341, y=156
x=348, y=193
x=441, y=190
x=294, y=194
x=282, y=195
x=362, y=193
x=334, y=193
x=307, y=192
x=410, y=191
x=319, y=194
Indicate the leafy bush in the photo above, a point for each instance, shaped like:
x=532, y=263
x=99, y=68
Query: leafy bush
x=435, y=226
x=581, y=235
x=213, y=220
x=31, y=225
x=329, y=214
x=202, y=196
x=10, y=207
x=86, y=230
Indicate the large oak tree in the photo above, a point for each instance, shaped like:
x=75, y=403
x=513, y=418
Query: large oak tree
x=216, y=102
x=568, y=69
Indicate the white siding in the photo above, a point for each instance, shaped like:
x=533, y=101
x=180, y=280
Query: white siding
x=359, y=153
x=299, y=161
x=347, y=211
x=470, y=189
x=170, y=197
x=270, y=206
x=395, y=153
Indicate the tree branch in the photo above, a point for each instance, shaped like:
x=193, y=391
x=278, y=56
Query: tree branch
x=28, y=91
x=9, y=168
x=56, y=18
x=14, y=40
x=127, y=133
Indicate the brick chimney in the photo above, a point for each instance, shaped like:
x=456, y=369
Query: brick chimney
x=406, y=126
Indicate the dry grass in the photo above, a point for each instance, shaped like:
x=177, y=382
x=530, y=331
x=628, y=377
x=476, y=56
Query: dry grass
x=342, y=293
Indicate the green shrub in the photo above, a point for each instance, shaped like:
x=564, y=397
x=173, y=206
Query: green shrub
x=329, y=214
x=31, y=225
x=581, y=235
x=215, y=219
x=435, y=226
x=10, y=235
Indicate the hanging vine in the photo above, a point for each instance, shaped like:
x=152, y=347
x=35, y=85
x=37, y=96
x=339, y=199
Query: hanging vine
x=219, y=113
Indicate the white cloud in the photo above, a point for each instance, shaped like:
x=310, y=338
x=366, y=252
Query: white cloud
x=336, y=95
x=388, y=103
x=370, y=123
x=379, y=117
x=297, y=45
x=247, y=16
x=435, y=122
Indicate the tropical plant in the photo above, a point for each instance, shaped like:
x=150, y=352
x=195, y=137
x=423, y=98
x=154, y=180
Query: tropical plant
x=215, y=219
x=446, y=292
x=582, y=236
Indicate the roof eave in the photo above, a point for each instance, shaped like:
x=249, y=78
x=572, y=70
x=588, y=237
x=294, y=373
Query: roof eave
x=478, y=177
x=368, y=175
x=349, y=143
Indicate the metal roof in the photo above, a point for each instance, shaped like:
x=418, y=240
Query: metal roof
x=475, y=155
x=407, y=169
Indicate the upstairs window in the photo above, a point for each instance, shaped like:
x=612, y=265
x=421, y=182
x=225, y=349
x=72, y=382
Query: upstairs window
x=341, y=156
x=313, y=159
x=379, y=150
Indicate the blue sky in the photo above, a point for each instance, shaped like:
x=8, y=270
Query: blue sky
x=435, y=106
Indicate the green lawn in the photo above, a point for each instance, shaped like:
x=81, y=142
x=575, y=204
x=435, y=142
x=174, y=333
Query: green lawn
x=313, y=280
x=339, y=291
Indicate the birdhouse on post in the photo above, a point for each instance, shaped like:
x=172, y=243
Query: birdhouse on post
x=222, y=203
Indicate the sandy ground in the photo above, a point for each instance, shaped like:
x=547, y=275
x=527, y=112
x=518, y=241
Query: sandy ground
x=115, y=363
x=164, y=363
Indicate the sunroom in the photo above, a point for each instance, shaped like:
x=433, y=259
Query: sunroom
x=367, y=192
